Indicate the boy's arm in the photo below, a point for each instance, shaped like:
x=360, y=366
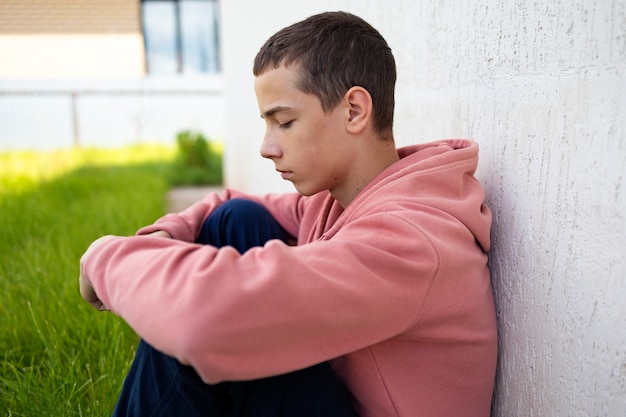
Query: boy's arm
x=186, y=225
x=86, y=289
x=273, y=309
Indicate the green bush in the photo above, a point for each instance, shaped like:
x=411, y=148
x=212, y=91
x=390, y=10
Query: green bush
x=198, y=161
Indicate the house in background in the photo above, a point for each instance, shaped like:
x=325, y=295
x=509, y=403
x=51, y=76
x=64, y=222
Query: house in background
x=108, y=73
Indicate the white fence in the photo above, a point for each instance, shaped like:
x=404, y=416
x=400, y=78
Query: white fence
x=52, y=114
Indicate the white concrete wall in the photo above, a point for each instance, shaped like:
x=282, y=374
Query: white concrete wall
x=542, y=86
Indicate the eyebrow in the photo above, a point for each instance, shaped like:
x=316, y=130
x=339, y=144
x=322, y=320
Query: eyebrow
x=274, y=110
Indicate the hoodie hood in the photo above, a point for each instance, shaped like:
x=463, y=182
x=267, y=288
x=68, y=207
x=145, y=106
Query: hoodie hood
x=435, y=176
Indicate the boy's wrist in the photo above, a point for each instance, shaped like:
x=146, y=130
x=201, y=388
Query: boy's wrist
x=160, y=233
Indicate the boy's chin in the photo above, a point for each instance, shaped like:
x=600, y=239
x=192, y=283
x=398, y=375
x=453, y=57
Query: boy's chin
x=306, y=191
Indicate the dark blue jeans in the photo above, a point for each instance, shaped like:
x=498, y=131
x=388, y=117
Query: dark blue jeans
x=157, y=385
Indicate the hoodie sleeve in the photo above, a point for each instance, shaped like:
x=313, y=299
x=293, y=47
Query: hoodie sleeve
x=185, y=226
x=274, y=309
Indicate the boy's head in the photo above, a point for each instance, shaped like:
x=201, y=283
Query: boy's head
x=335, y=51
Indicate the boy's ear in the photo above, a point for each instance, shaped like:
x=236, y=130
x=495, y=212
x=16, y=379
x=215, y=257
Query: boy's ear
x=360, y=108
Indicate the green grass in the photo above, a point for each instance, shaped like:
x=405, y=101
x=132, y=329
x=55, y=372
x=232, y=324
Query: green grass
x=59, y=357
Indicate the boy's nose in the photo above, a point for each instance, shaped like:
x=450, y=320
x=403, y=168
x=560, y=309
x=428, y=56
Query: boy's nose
x=269, y=148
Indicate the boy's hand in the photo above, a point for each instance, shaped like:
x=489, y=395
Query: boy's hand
x=89, y=294
x=160, y=233
x=86, y=289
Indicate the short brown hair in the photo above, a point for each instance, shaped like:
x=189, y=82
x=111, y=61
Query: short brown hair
x=336, y=51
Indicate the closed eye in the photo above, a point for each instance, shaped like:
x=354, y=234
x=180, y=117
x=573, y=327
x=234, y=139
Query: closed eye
x=285, y=125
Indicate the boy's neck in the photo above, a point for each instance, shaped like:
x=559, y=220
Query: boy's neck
x=370, y=161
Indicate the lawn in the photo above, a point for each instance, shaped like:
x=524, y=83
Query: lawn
x=59, y=356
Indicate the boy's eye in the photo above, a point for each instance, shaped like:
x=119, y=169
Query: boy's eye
x=285, y=125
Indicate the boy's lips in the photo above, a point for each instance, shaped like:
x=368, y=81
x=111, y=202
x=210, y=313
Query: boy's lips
x=285, y=174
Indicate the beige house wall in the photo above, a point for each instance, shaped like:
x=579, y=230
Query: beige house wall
x=71, y=38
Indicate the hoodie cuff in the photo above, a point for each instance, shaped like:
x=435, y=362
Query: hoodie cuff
x=172, y=224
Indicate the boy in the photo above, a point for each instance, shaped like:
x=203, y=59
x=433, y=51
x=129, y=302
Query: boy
x=388, y=280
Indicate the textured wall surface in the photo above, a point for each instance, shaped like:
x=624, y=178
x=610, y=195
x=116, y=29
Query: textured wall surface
x=542, y=86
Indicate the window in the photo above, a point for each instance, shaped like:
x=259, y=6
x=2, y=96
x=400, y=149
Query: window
x=181, y=36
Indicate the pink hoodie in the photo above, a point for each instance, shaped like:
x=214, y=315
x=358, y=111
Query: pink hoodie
x=394, y=289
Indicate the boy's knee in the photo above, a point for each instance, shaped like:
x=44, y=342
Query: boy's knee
x=241, y=211
x=242, y=224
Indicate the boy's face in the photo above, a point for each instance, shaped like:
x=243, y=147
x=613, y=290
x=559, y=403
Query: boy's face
x=308, y=146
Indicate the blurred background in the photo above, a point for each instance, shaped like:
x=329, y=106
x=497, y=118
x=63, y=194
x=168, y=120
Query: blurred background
x=108, y=73
x=540, y=85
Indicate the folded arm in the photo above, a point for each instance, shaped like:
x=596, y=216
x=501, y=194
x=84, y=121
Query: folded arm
x=271, y=310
